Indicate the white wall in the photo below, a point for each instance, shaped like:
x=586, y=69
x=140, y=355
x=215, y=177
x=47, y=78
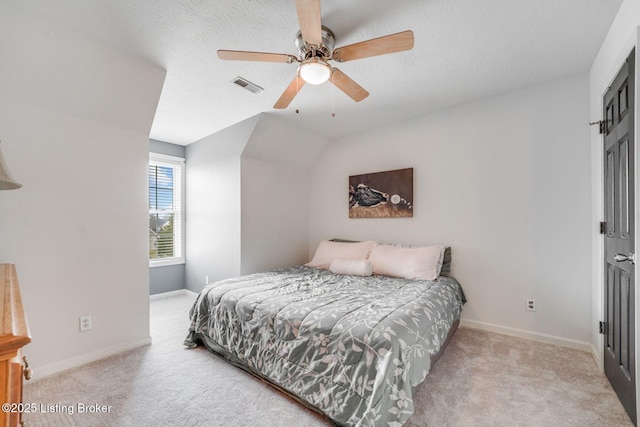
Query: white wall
x=75, y=117
x=274, y=216
x=506, y=182
x=275, y=196
x=622, y=37
x=213, y=205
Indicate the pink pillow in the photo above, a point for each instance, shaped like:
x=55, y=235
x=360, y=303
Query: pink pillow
x=352, y=267
x=422, y=262
x=328, y=251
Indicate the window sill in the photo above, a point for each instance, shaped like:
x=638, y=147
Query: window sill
x=167, y=262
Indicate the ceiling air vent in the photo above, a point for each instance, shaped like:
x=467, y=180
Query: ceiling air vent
x=251, y=87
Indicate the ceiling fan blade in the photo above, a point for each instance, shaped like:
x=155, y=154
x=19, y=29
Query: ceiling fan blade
x=310, y=21
x=348, y=86
x=289, y=93
x=382, y=45
x=241, y=55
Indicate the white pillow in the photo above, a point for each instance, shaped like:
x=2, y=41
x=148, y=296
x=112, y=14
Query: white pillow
x=409, y=263
x=328, y=251
x=352, y=267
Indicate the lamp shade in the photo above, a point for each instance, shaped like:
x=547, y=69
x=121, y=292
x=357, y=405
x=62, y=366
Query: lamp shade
x=6, y=181
x=315, y=71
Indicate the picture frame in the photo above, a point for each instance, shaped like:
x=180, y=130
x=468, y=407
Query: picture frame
x=387, y=194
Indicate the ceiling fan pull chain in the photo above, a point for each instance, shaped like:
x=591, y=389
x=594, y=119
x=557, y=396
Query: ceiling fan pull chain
x=333, y=112
x=297, y=87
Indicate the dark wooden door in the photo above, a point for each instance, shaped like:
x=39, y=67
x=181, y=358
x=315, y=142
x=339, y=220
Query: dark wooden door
x=619, y=353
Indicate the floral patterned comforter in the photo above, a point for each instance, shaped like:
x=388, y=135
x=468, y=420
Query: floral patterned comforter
x=352, y=347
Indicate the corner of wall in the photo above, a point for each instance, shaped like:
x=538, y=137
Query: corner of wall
x=213, y=199
x=275, y=171
x=281, y=141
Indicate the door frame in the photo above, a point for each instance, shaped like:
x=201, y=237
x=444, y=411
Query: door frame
x=598, y=268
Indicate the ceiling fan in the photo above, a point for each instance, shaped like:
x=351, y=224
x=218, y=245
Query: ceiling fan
x=315, y=48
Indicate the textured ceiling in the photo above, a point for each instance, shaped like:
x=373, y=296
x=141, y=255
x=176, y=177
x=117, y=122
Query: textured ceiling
x=464, y=50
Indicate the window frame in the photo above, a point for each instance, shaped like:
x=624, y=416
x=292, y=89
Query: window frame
x=178, y=163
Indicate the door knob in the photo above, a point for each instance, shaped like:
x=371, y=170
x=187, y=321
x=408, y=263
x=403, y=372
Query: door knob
x=631, y=257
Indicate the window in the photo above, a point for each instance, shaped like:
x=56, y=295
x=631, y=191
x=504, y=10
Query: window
x=166, y=210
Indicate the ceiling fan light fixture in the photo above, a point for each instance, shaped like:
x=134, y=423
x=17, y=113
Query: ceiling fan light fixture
x=315, y=71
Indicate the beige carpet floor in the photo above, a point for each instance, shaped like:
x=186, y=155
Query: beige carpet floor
x=483, y=379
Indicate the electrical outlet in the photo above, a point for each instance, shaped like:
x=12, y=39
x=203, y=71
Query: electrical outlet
x=206, y=280
x=85, y=323
x=531, y=304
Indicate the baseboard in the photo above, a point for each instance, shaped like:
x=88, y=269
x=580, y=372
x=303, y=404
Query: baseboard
x=535, y=336
x=74, y=362
x=53, y=368
x=170, y=294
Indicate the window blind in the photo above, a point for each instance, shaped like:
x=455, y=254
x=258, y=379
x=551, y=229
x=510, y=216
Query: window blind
x=166, y=217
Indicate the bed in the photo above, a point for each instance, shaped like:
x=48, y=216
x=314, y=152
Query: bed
x=351, y=347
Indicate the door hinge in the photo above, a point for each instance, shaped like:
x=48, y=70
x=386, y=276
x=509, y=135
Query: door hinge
x=603, y=328
x=603, y=227
x=600, y=124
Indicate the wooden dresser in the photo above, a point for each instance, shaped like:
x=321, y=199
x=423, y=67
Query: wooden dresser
x=14, y=334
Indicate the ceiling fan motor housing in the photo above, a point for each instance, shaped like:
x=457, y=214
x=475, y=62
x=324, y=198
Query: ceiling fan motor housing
x=322, y=51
